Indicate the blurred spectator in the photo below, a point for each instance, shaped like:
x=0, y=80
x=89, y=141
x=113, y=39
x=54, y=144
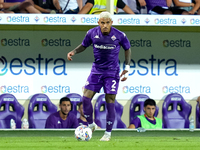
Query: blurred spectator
x=71, y=6
x=189, y=5
x=48, y=6
x=155, y=7
x=18, y=7
x=97, y=6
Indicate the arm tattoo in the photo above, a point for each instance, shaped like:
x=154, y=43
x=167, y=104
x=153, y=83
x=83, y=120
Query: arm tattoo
x=79, y=49
x=128, y=56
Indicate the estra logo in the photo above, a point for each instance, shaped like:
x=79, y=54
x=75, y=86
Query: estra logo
x=55, y=89
x=177, y=43
x=4, y=69
x=44, y=89
x=128, y=21
x=15, y=42
x=55, y=42
x=89, y=20
x=141, y=43
x=3, y=89
x=31, y=66
x=194, y=21
x=165, y=21
x=18, y=19
x=55, y=19
x=176, y=89
x=136, y=89
x=14, y=89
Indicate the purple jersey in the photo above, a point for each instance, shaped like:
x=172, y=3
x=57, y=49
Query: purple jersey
x=136, y=121
x=81, y=122
x=106, y=49
x=55, y=121
x=153, y=3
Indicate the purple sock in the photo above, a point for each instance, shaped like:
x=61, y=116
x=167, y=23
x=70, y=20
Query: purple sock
x=88, y=109
x=110, y=118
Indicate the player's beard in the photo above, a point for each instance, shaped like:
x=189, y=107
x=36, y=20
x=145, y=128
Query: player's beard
x=105, y=33
x=63, y=113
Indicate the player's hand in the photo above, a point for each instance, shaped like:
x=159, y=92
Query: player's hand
x=69, y=55
x=191, y=12
x=124, y=75
x=142, y=2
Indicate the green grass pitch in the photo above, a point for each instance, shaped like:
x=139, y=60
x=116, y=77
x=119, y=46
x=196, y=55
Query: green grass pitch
x=121, y=140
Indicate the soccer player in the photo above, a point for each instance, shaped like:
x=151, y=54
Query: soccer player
x=106, y=41
x=147, y=121
x=63, y=118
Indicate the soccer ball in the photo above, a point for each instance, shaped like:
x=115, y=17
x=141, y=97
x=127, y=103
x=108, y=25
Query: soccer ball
x=83, y=133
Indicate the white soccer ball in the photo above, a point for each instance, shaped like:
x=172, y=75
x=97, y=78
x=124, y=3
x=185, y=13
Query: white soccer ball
x=83, y=133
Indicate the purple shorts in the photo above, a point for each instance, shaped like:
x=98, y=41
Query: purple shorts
x=109, y=83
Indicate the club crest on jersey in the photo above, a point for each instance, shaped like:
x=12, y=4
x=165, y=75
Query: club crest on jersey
x=87, y=82
x=113, y=38
x=96, y=37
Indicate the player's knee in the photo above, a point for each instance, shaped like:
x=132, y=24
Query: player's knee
x=168, y=12
x=110, y=98
x=185, y=13
x=88, y=93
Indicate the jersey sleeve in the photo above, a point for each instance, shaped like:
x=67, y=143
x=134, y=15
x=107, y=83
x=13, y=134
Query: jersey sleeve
x=87, y=41
x=136, y=121
x=90, y=1
x=120, y=4
x=125, y=43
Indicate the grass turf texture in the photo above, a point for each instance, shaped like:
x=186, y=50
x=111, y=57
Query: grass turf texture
x=64, y=140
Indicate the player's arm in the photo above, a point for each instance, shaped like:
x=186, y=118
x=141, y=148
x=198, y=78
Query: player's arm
x=77, y=50
x=86, y=8
x=195, y=8
x=142, y=2
x=124, y=7
x=128, y=10
x=7, y=5
x=42, y=9
x=135, y=123
x=80, y=4
x=57, y=5
x=182, y=4
x=169, y=3
x=127, y=62
x=131, y=126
